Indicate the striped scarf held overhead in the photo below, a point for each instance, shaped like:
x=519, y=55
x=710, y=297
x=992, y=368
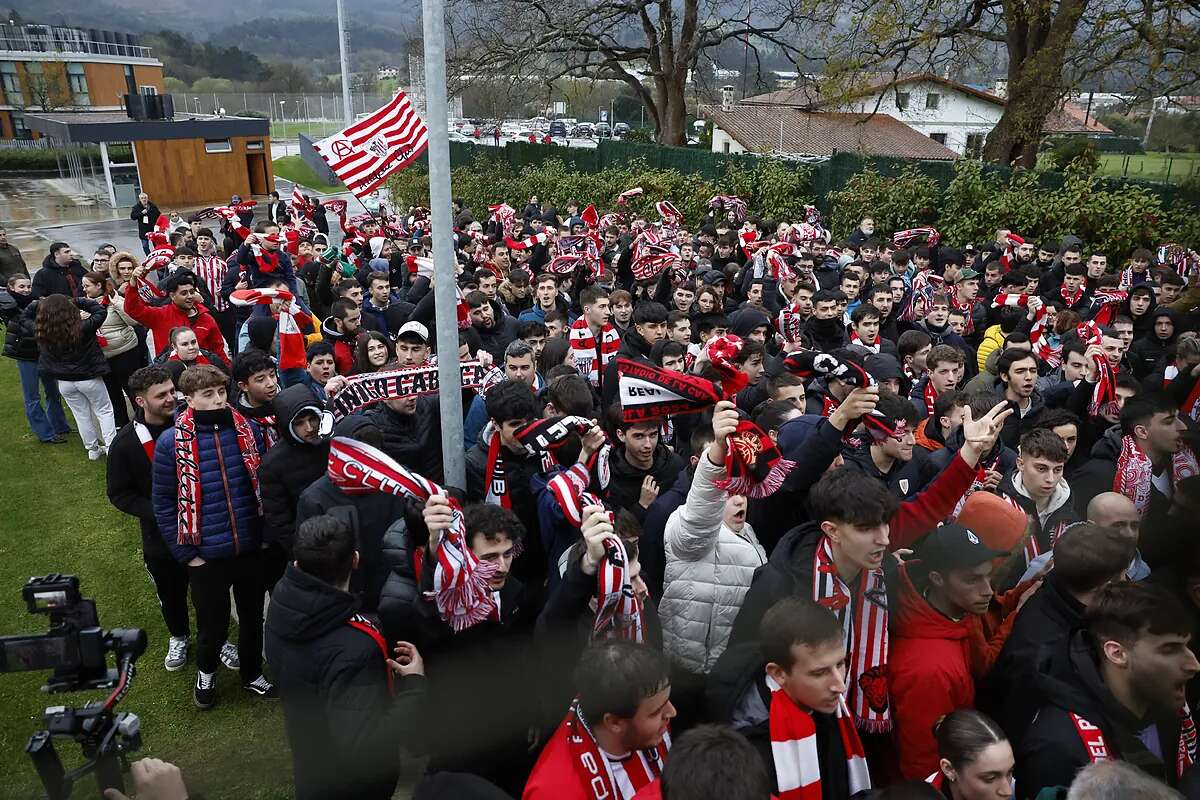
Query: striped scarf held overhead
x=1107, y=303
x=618, y=608
x=591, y=357
x=1003, y=299
x=1135, y=471
x=794, y=749
x=291, y=340
x=1046, y=345
x=864, y=617
x=460, y=579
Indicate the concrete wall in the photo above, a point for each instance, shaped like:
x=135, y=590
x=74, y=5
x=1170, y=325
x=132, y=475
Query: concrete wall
x=721, y=138
x=313, y=159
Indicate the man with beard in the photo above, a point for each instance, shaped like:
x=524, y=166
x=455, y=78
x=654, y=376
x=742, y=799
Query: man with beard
x=1115, y=691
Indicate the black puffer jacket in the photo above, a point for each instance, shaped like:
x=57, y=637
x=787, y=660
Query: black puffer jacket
x=82, y=360
x=289, y=467
x=53, y=279
x=19, y=341
x=415, y=440
x=496, y=338
x=342, y=723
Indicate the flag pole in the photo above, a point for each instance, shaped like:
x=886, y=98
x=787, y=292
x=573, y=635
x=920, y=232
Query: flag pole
x=445, y=299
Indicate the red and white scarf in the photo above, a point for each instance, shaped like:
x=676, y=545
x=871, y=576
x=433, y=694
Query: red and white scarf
x=1135, y=471
x=187, y=470
x=496, y=476
x=1003, y=299
x=1070, y=298
x=291, y=340
x=794, y=749
x=528, y=241
x=146, y=439
x=1107, y=303
x=856, y=339
x=1097, y=748
x=864, y=617
x=618, y=608
x=929, y=396
x=1046, y=346
x=604, y=778
x=592, y=358
x=903, y=239
x=460, y=579
x=791, y=323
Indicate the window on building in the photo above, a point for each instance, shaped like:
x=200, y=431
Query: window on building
x=20, y=129
x=254, y=145
x=148, y=89
x=940, y=138
x=902, y=99
x=975, y=143
x=727, y=147
x=217, y=146
x=77, y=83
x=932, y=100
x=10, y=82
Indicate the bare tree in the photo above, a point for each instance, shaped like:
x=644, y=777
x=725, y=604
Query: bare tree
x=1047, y=48
x=650, y=45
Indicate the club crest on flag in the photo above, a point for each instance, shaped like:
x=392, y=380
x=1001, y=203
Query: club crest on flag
x=378, y=147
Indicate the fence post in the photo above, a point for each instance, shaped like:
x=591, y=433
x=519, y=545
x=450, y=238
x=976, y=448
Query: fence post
x=1170, y=161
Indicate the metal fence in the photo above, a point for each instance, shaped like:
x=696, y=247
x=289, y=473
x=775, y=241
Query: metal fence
x=277, y=106
x=25, y=144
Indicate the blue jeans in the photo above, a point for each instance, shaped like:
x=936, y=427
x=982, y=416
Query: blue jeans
x=45, y=423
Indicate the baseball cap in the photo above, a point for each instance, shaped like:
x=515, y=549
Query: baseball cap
x=969, y=248
x=883, y=366
x=966, y=274
x=954, y=546
x=416, y=329
x=713, y=276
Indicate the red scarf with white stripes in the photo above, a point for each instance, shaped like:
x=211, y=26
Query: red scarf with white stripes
x=618, y=608
x=1047, y=351
x=1097, y=748
x=602, y=777
x=591, y=358
x=1070, y=298
x=794, y=748
x=863, y=613
x=856, y=339
x=146, y=439
x=187, y=470
x=1003, y=299
x=460, y=579
x=1135, y=471
x=496, y=476
x=291, y=340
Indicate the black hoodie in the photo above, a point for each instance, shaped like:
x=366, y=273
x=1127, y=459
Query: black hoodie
x=290, y=466
x=625, y=486
x=1069, y=682
x=343, y=725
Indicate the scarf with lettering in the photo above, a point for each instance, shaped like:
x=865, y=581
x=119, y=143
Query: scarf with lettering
x=495, y=478
x=591, y=358
x=545, y=436
x=1135, y=471
x=864, y=617
x=650, y=393
x=1097, y=749
x=291, y=340
x=795, y=751
x=372, y=387
x=187, y=470
x=460, y=579
x=606, y=779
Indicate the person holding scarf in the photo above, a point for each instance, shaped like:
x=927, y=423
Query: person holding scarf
x=206, y=501
x=262, y=258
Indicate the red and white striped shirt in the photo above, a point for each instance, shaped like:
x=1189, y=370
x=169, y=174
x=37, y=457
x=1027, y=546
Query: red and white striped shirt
x=212, y=270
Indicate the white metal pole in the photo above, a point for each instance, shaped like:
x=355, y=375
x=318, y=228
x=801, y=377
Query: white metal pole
x=445, y=299
x=343, y=48
x=112, y=196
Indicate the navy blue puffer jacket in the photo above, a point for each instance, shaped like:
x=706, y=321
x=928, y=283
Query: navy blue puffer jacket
x=230, y=518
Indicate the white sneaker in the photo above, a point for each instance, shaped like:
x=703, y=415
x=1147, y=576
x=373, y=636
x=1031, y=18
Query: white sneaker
x=177, y=654
x=229, y=656
x=95, y=454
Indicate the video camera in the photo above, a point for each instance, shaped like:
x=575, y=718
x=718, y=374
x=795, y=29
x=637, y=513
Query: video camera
x=76, y=648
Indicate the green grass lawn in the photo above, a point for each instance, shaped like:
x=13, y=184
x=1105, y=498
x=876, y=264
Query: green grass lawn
x=294, y=169
x=1152, y=166
x=56, y=518
x=316, y=130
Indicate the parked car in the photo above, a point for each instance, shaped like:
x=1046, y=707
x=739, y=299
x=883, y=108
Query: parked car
x=603, y=131
x=621, y=129
x=558, y=128
x=584, y=131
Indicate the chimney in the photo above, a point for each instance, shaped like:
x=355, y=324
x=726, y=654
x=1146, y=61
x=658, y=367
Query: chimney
x=726, y=98
x=1000, y=88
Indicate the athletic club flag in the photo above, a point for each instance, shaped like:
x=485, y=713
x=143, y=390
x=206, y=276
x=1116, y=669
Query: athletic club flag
x=370, y=150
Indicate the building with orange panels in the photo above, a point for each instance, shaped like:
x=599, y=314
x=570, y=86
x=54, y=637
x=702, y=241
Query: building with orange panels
x=49, y=68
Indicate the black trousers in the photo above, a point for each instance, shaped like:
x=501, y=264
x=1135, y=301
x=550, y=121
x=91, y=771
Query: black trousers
x=120, y=367
x=210, y=583
x=228, y=323
x=171, y=585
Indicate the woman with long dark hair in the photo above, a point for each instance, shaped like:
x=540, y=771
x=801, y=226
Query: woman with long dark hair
x=975, y=758
x=118, y=341
x=554, y=352
x=70, y=354
x=374, y=353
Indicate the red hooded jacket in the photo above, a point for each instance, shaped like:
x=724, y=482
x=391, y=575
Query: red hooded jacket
x=162, y=319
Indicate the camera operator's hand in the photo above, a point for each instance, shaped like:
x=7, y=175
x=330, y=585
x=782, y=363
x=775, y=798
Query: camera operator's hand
x=407, y=661
x=197, y=562
x=153, y=780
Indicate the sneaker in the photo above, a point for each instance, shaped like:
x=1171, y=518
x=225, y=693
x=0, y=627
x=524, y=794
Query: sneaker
x=262, y=687
x=229, y=656
x=205, y=693
x=177, y=654
x=95, y=454
x=58, y=438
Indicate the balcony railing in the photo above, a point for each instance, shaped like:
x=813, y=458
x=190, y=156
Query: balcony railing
x=38, y=44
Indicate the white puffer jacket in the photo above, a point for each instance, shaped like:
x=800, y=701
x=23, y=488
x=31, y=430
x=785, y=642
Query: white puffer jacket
x=708, y=571
x=117, y=329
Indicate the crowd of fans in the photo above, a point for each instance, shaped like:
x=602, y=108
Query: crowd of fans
x=761, y=512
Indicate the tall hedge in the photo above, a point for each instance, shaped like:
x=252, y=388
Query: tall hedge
x=1112, y=218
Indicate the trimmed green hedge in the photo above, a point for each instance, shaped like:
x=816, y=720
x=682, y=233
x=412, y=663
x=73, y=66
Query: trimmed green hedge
x=12, y=160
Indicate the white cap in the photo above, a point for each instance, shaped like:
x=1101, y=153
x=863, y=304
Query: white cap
x=414, y=327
